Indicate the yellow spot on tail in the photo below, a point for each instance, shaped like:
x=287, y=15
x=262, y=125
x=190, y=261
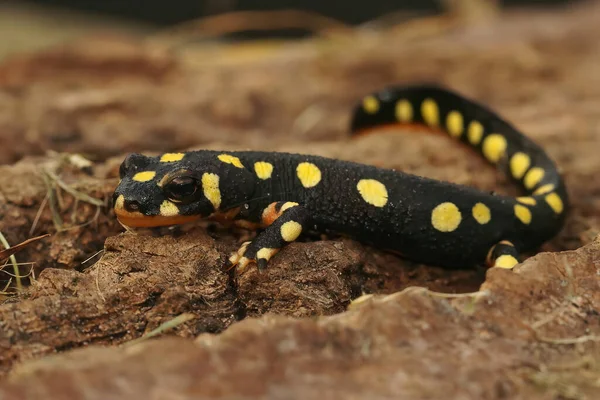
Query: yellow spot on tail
x=533, y=177
x=290, y=231
x=482, y=213
x=286, y=205
x=373, y=192
x=168, y=209
x=210, y=185
x=530, y=201
x=523, y=214
x=454, y=124
x=430, y=112
x=547, y=188
x=172, y=157
x=144, y=176
x=370, y=104
x=519, y=163
x=229, y=159
x=404, y=111
x=475, y=133
x=263, y=169
x=266, y=253
x=494, y=146
x=309, y=174
x=555, y=202
x=505, y=261
x=446, y=217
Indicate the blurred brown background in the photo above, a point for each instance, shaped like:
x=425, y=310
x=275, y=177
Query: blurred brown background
x=30, y=25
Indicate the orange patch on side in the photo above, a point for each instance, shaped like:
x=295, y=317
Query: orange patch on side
x=251, y=226
x=139, y=220
x=269, y=215
x=225, y=217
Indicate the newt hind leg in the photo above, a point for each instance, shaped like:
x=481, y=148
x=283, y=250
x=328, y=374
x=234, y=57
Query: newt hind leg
x=503, y=255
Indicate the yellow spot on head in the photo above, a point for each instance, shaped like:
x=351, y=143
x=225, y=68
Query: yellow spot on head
x=120, y=202
x=523, y=214
x=309, y=174
x=555, y=202
x=370, y=104
x=373, y=192
x=266, y=253
x=286, y=205
x=505, y=261
x=290, y=231
x=210, y=185
x=475, y=133
x=263, y=169
x=229, y=159
x=530, y=201
x=144, y=176
x=168, y=209
x=494, y=146
x=481, y=213
x=430, y=112
x=446, y=217
x=172, y=157
x=519, y=163
x=454, y=124
x=544, y=189
x=533, y=177
x=404, y=111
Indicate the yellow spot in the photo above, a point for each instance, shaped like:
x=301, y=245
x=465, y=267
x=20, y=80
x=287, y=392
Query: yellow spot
x=430, y=112
x=229, y=159
x=290, y=231
x=286, y=205
x=475, y=133
x=482, y=213
x=266, y=253
x=519, y=163
x=168, y=209
x=530, y=201
x=210, y=185
x=309, y=174
x=494, y=146
x=454, y=124
x=172, y=157
x=446, y=217
x=370, y=104
x=544, y=189
x=263, y=169
x=523, y=214
x=555, y=202
x=120, y=202
x=144, y=176
x=505, y=261
x=373, y=192
x=533, y=177
x=404, y=111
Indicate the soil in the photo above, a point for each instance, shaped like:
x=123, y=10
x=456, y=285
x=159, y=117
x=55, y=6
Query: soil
x=303, y=328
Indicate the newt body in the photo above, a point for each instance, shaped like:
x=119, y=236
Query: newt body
x=423, y=219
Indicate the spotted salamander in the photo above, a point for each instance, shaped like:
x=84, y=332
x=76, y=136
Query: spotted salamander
x=422, y=219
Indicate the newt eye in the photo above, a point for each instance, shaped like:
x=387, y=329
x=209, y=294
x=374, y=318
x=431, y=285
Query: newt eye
x=181, y=188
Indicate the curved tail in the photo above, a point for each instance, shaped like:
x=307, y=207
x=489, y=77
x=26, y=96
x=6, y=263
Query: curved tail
x=471, y=123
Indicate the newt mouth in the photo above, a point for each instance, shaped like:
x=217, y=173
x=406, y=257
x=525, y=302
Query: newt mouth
x=138, y=220
x=135, y=219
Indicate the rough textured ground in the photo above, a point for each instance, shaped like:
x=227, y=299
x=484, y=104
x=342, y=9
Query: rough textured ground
x=532, y=333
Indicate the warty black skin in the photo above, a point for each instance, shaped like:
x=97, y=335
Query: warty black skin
x=334, y=204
